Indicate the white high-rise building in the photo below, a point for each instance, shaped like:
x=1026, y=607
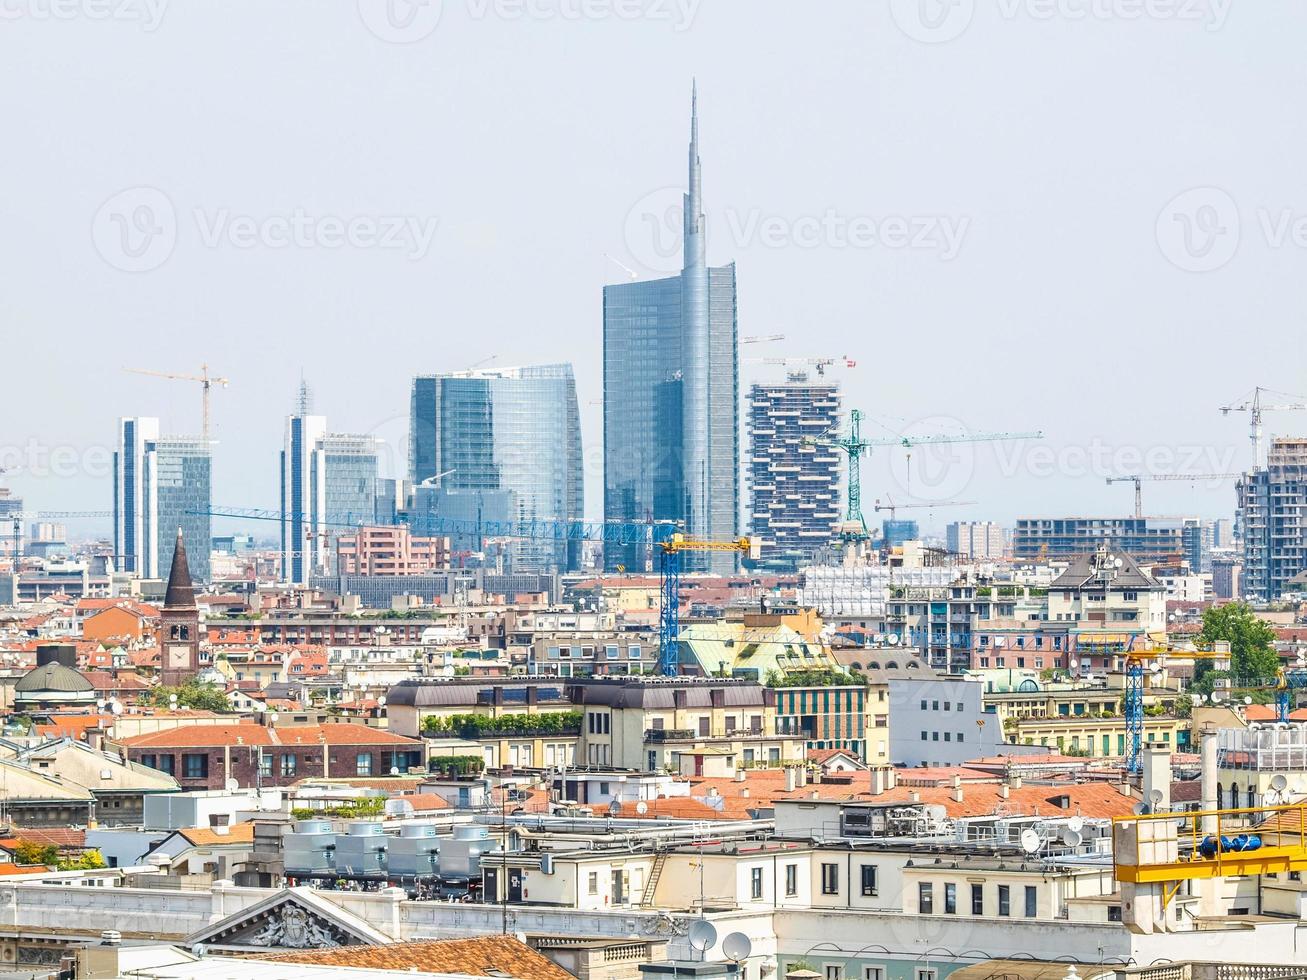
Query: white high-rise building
x=161, y=484
x=328, y=485
x=980, y=540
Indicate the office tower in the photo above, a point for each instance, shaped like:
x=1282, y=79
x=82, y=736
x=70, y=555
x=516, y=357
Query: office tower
x=328, y=484
x=495, y=445
x=1272, y=511
x=671, y=395
x=161, y=483
x=1146, y=539
x=979, y=540
x=794, y=483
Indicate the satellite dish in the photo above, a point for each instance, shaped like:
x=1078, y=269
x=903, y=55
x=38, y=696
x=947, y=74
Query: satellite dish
x=1247, y=699
x=1155, y=797
x=1072, y=838
x=614, y=808
x=116, y=707
x=1074, y=663
x=893, y=639
x=642, y=808
x=702, y=935
x=1076, y=823
x=1140, y=809
x=1030, y=841
x=1279, y=782
x=1271, y=798
x=737, y=947
x=233, y=784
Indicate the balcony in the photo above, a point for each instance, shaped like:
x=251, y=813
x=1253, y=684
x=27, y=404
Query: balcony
x=671, y=735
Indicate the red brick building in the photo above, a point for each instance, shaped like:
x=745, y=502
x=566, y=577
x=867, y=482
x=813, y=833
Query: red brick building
x=205, y=756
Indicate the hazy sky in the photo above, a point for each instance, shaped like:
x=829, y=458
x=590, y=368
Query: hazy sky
x=1081, y=216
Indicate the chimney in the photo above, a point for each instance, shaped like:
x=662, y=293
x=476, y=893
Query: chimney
x=803, y=775
x=891, y=777
x=1016, y=782
x=740, y=776
x=957, y=791
x=744, y=793
x=1004, y=791
x=877, y=781
x=914, y=797
x=957, y=782
x=814, y=795
x=791, y=781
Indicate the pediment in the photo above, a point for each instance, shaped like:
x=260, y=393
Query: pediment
x=294, y=918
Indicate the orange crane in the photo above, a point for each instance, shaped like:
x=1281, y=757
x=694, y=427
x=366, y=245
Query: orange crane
x=206, y=382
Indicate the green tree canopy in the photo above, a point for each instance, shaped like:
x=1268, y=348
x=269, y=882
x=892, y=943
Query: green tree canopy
x=1252, y=654
x=192, y=694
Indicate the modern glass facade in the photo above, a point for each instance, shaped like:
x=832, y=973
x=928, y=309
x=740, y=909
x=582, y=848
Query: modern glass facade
x=160, y=483
x=328, y=483
x=671, y=397
x=506, y=439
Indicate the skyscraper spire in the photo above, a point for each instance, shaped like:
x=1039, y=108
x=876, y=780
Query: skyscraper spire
x=695, y=253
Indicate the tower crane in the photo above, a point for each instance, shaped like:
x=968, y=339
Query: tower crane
x=892, y=507
x=819, y=363
x=669, y=620
x=1138, y=481
x=909, y=442
x=855, y=525
x=1255, y=406
x=206, y=382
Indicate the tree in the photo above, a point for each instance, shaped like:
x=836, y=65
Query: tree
x=192, y=694
x=1252, y=654
x=90, y=860
x=30, y=852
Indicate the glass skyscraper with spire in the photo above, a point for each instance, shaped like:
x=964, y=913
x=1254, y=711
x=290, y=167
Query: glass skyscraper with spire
x=671, y=396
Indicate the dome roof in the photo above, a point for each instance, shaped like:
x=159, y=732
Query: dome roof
x=53, y=677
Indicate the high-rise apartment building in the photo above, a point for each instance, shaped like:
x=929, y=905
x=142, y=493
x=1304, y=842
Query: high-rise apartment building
x=328, y=484
x=161, y=484
x=794, y=481
x=979, y=540
x=671, y=395
x=1273, y=517
x=501, y=444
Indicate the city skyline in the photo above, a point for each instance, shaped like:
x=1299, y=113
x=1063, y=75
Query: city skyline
x=991, y=304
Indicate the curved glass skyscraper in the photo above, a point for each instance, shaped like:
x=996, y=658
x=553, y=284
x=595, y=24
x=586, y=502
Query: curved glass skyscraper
x=671, y=396
x=501, y=444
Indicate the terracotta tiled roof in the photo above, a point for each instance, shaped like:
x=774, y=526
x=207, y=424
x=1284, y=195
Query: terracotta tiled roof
x=674, y=808
x=73, y=726
x=103, y=680
x=427, y=801
x=61, y=837
x=485, y=956
x=1266, y=712
x=252, y=734
x=237, y=833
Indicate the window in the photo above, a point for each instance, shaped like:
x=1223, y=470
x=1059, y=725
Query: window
x=363, y=767
x=873, y=973
x=961, y=737
x=288, y=765
x=168, y=764
x=923, y=704
x=148, y=760
x=1114, y=913
x=611, y=651
x=633, y=652
x=592, y=883
x=834, y=971
x=1032, y=898
x=950, y=898
x=977, y=899
x=869, y=879
x=925, y=897
x=755, y=883
x=934, y=705
x=925, y=737
x=948, y=736
x=830, y=879
x=265, y=765
x=791, y=880
x=1004, y=900
x=959, y=705
x=924, y=974
x=946, y=706
x=195, y=766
